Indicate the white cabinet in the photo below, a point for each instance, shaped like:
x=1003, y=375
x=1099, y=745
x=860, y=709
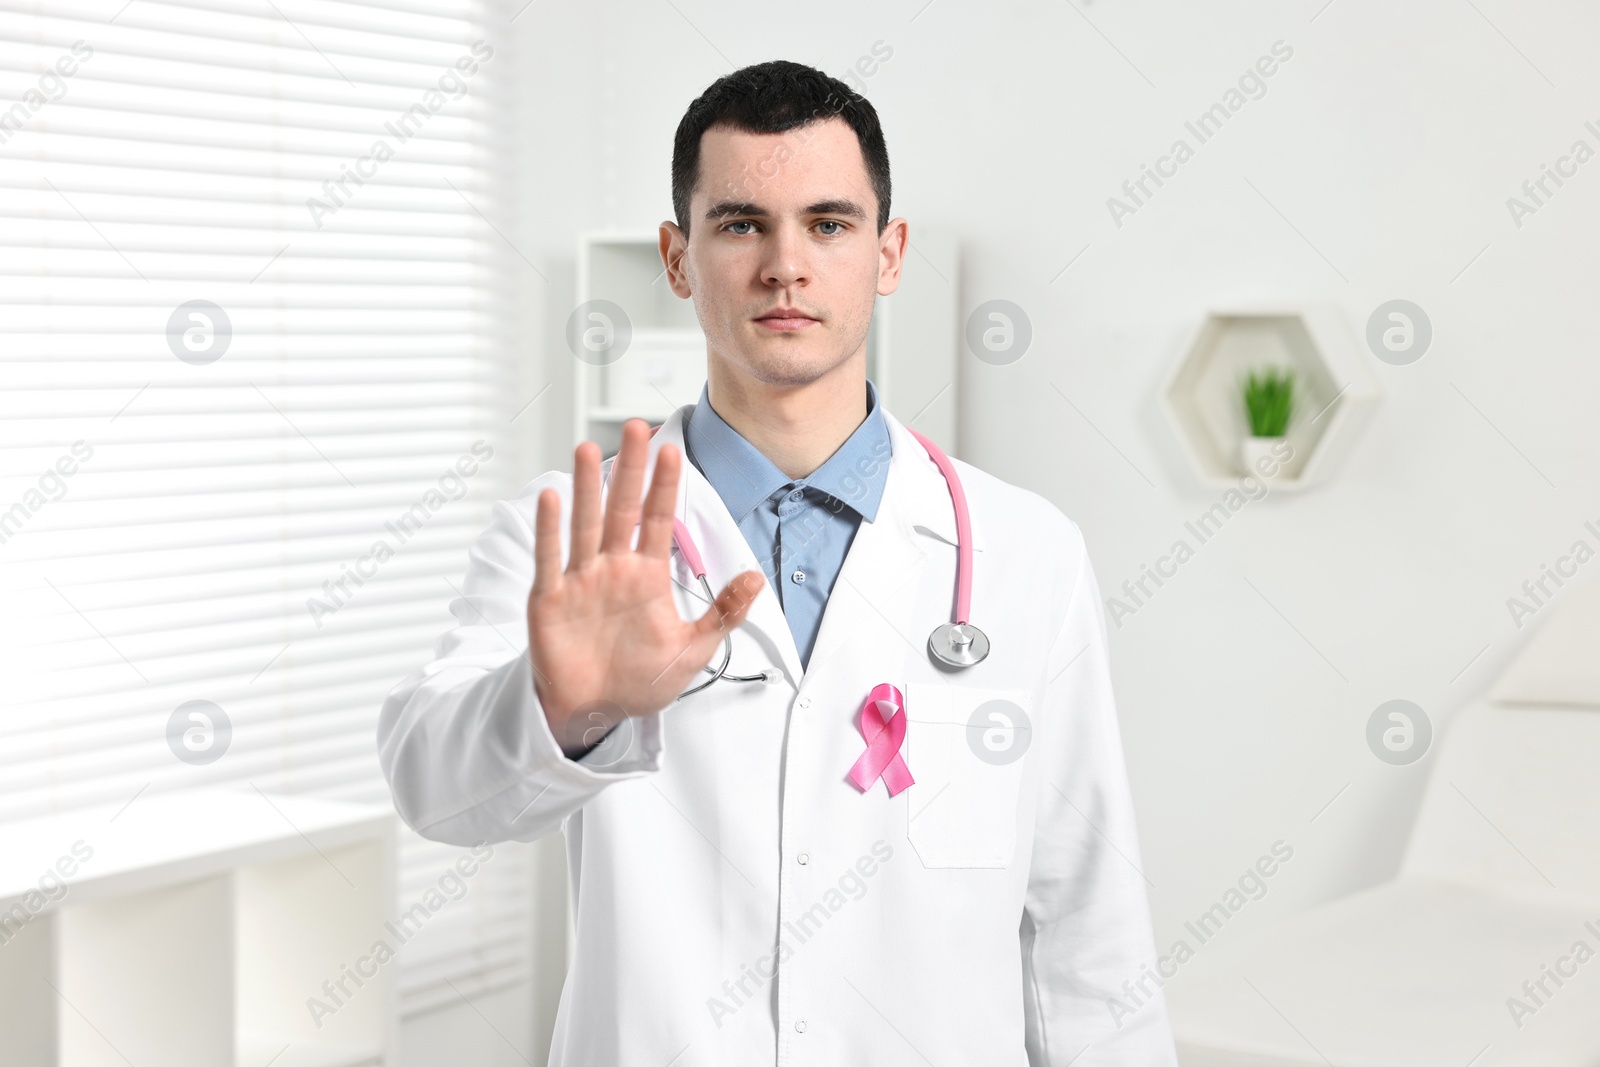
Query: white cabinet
x=911, y=347
x=206, y=928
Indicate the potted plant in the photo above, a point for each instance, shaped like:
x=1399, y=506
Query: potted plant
x=1268, y=404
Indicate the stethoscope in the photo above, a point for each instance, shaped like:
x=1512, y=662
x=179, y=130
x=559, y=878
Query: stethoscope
x=957, y=643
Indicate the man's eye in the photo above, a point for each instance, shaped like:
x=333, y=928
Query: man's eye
x=741, y=222
x=830, y=222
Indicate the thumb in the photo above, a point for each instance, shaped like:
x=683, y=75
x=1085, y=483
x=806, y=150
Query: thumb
x=728, y=611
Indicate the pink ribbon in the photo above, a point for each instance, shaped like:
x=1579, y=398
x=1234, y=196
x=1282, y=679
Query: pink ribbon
x=883, y=723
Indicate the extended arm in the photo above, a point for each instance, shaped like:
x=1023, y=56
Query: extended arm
x=495, y=738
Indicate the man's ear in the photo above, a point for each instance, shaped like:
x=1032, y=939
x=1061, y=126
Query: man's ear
x=674, y=245
x=892, y=255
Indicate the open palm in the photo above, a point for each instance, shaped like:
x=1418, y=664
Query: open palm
x=604, y=635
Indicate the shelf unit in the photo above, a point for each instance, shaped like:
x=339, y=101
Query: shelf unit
x=195, y=932
x=1335, y=393
x=911, y=344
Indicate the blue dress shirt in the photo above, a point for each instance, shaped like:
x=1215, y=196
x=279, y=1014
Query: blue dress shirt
x=799, y=529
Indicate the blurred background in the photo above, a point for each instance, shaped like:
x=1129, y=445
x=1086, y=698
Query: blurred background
x=289, y=296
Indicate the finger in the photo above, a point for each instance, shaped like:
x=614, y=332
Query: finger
x=661, y=505
x=627, y=479
x=728, y=611
x=547, y=542
x=585, y=504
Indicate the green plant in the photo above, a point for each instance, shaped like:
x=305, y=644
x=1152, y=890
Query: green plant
x=1269, y=400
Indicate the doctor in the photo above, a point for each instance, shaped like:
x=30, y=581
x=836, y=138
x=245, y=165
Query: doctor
x=762, y=870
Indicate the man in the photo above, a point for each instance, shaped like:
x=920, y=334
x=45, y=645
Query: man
x=739, y=897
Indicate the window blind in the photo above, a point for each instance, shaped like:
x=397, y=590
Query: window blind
x=258, y=396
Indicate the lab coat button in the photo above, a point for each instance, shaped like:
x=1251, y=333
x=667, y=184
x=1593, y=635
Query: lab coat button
x=803, y=859
x=800, y=1025
x=804, y=702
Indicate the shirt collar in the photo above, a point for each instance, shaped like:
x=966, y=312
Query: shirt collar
x=743, y=477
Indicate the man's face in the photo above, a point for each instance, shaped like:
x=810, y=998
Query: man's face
x=784, y=221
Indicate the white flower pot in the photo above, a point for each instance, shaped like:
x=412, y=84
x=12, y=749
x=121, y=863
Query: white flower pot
x=1266, y=451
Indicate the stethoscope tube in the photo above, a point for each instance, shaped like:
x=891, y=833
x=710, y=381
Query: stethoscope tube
x=958, y=643
x=958, y=502
x=720, y=672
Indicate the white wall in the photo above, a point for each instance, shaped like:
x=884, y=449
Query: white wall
x=1387, y=147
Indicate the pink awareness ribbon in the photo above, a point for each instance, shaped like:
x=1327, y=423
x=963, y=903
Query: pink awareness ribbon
x=883, y=723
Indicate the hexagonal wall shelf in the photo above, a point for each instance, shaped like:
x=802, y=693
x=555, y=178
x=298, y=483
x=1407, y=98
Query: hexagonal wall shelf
x=1335, y=393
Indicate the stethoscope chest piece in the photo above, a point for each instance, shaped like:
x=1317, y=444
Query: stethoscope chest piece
x=958, y=644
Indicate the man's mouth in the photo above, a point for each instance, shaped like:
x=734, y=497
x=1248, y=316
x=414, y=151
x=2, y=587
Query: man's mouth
x=785, y=318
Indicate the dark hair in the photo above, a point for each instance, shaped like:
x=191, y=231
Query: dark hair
x=771, y=98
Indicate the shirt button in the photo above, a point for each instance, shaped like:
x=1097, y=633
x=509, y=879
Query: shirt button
x=798, y=577
x=796, y=495
x=803, y=859
x=800, y=1025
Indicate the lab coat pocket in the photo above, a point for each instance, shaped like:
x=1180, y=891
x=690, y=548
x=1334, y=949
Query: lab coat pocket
x=965, y=748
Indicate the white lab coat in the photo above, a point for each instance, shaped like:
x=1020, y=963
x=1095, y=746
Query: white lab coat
x=737, y=900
